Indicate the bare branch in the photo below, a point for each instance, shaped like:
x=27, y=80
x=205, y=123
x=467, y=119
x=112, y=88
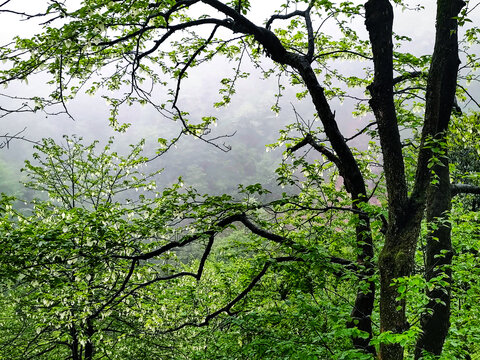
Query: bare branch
x=309, y=140
x=469, y=95
x=362, y=131
x=464, y=189
x=187, y=65
x=283, y=17
x=171, y=29
x=343, y=51
x=407, y=76
x=9, y=138
x=228, y=307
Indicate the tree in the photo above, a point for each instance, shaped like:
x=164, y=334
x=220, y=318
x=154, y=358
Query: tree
x=136, y=45
x=63, y=259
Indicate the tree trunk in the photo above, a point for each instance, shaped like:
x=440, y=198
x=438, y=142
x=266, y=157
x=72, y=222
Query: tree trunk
x=405, y=214
x=435, y=321
x=75, y=344
x=397, y=256
x=89, y=348
x=364, y=301
x=396, y=260
x=440, y=99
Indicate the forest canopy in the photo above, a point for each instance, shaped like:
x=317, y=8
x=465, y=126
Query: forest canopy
x=362, y=242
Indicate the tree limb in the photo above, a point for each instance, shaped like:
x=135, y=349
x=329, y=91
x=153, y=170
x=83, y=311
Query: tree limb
x=283, y=17
x=309, y=140
x=407, y=76
x=464, y=189
x=228, y=307
x=469, y=95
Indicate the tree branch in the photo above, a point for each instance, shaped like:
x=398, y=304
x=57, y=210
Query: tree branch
x=469, y=95
x=118, y=292
x=265, y=37
x=369, y=125
x=309, y=140
x=283, y=17
x=464, y=189
x=343, y=51
x=407, y=76
x=228, y=307
x=379, y=22
x=311, y=37
x=8, y=139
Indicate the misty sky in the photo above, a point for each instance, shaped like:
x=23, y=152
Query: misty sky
x=249, y=108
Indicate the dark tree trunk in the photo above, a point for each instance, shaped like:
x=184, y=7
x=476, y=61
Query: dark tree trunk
x=397, y=256
x=435, y=322
x=396, y=260
x=405, y=214
x=89, y=348
x=440, y=100
x=364, y=301
x=75, y=344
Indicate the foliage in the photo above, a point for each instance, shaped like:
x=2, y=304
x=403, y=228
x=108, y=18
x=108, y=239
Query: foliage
x=105, y=265
x=69, y=261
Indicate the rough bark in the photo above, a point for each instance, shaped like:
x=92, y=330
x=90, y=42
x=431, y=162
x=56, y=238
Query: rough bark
x=396, y=260
x=436, y=321
x=405, y=214
x=397, y=256
x=440, y=99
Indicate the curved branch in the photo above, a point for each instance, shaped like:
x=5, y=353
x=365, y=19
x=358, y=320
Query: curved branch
x=343, y=51
x=265, y=37
x=309, y=140
x=283, y=17
x=242, y=218
x=228, y=307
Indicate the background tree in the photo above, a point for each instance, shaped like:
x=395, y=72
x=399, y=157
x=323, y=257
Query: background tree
x=87, y=270
x=63, y=274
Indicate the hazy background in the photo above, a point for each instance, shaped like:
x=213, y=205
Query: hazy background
x=248, y=116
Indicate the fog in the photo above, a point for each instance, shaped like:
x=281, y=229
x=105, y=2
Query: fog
x=248, y=117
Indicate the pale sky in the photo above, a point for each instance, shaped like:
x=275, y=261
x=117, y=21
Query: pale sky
x=91, y=113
